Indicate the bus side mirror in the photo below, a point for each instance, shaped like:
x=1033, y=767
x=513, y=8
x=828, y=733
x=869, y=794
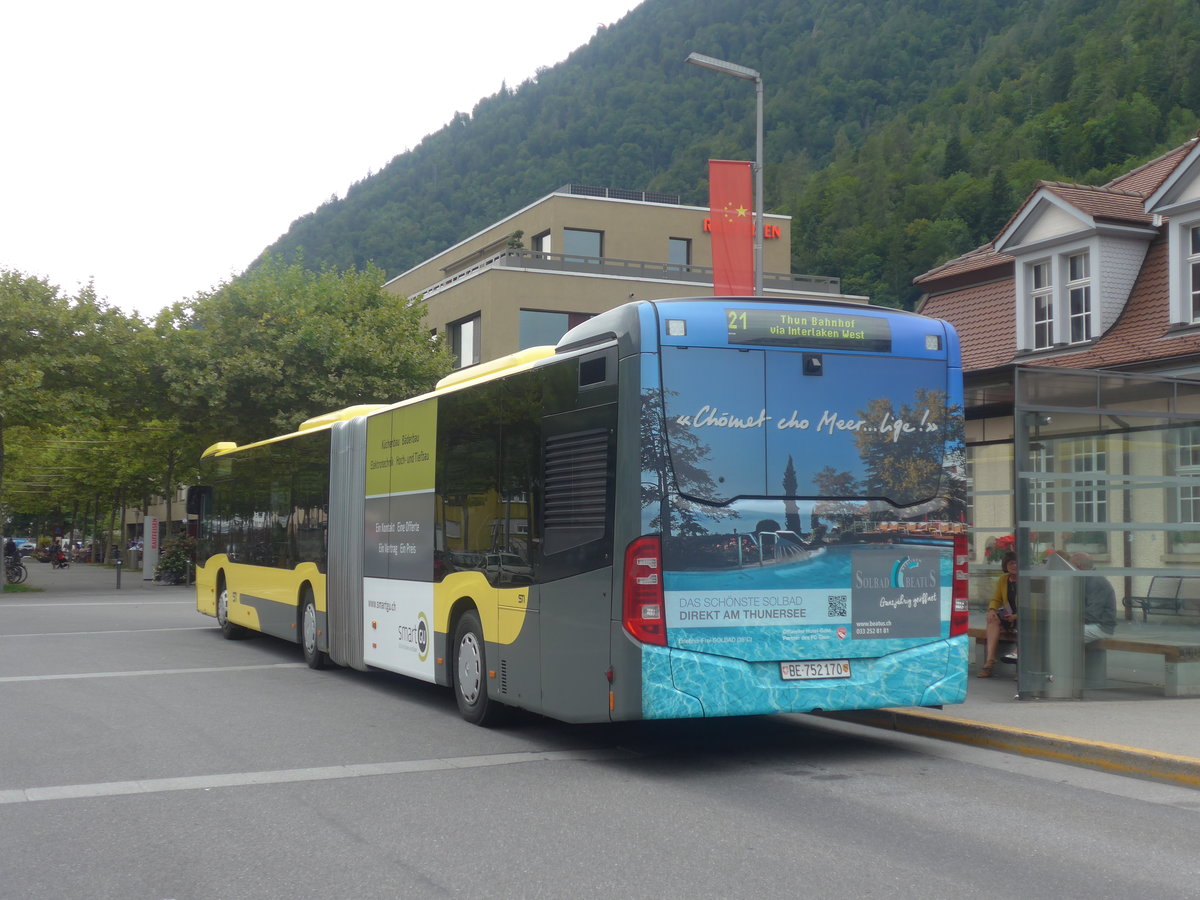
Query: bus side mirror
x=197, y=497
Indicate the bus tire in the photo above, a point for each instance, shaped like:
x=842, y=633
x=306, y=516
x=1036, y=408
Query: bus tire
x=315, y=657
x=230, y=631
x=470, y=673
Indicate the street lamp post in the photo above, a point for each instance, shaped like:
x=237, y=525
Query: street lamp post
x=720, y=65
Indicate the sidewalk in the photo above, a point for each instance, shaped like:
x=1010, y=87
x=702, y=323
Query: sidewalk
x=1126, y=733
x=82, y=580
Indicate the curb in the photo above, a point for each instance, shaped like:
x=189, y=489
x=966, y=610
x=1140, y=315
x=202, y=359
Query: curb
x=1182, y=771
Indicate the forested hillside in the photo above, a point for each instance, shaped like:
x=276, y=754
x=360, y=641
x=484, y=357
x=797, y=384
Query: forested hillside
x=898, y=132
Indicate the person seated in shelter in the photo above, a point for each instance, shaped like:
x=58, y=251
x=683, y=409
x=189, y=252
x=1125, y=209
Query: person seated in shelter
x=1099, y=602
x=1001, y=613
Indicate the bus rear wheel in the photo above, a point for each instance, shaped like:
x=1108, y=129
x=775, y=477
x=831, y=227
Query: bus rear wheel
x=315, y=657
x=228, y=629
x=470, y=674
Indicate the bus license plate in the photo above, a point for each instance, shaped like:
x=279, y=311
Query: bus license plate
x=816, y=668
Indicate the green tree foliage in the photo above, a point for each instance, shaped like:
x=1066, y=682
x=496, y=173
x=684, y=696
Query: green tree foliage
x=104, y=411
x=898, y=133
x=264, y=352
x=65, y=364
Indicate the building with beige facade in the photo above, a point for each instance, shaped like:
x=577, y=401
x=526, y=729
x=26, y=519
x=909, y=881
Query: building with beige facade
x=528, y=278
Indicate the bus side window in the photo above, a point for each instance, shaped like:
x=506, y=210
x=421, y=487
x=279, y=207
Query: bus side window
x=468, y=477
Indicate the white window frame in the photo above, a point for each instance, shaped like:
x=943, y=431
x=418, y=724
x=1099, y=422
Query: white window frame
x=1185, y=289
x=1041, y=304
x=1045, y=318
x=1191, y=233
x=1079, y=297
x=1042, y=497
x=464, y=340
x=1089, y=498
x=1187, y=463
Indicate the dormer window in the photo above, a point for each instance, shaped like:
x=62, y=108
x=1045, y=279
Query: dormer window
x=1079, y=293
x=1194, y=269
x=1057, y=301
x=1041, y=290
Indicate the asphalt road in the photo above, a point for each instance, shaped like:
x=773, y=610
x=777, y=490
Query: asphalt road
x=143, y=756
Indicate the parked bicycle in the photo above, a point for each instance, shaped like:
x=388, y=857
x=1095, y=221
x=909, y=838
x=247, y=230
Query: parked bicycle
x=15, y=571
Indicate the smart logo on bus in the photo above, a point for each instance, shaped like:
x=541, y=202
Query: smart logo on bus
x=415, y=638
x=896, y=593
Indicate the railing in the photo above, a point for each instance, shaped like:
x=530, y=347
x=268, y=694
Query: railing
x=626, y=268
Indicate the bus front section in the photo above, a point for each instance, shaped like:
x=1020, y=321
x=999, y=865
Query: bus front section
x=803, y=500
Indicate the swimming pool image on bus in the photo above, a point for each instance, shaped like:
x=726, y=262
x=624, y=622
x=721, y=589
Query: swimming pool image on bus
x=843, y=601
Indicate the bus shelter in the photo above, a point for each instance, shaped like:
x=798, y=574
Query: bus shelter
x=1107, y=503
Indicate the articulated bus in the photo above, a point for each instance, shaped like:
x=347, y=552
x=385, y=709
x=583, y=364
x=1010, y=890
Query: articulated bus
x=702, y=507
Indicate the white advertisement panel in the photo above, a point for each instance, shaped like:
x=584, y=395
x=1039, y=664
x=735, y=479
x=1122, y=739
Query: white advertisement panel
x=398, y=626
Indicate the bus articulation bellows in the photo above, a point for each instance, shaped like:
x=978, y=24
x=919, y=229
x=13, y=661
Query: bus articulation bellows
x=705, y=507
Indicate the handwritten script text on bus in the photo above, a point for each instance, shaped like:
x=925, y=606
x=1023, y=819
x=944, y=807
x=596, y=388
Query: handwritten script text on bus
x=829, y=422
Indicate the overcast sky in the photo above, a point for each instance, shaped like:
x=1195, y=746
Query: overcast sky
x=157, y=148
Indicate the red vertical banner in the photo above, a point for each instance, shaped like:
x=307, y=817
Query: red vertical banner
x=731, y=209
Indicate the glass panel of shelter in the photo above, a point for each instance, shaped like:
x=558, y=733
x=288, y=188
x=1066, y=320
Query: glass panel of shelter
x=1108, y=535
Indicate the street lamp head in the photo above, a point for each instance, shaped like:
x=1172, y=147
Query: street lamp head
x=720, y=65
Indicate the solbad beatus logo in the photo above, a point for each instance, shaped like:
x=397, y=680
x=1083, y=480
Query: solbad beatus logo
x=909, y=573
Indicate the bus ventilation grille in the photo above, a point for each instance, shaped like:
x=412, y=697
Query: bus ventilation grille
x=576, y=486
x=504, y=676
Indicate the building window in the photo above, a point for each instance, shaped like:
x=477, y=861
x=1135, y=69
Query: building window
x=1041, y=290
x=679, y=252
x=1079, y=297
x=583, y=246
x=464, y=341
x=540, y=243
x=1090, y=497
x=540, y=328
x=1042, y=489
x=1194, y=269
x=1187, y=496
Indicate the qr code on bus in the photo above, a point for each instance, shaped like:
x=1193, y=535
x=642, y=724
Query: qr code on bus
x=837, y=605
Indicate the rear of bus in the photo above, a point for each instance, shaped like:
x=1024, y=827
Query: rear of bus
x=802, y=499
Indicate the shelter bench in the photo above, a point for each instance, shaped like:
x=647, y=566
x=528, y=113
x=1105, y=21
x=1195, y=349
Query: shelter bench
x=1181, y=661
x=1170, y=594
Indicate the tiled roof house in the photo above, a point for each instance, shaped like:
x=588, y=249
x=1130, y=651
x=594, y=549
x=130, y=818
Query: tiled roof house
x=1093, y=280
x=1101, y=277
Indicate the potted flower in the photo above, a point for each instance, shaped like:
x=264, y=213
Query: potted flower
x=175, y=560
x=1002, y=545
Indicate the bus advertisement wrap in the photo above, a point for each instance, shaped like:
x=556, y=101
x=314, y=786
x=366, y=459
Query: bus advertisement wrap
x=398, y=541
x=847, y=598
x=687, y=507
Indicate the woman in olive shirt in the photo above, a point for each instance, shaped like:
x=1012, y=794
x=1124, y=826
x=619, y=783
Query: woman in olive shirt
x=1001, y=613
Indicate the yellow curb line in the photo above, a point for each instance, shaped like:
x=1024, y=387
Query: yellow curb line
x=1114, y=758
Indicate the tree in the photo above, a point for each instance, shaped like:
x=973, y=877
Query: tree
x=61, y=360
x=282, y=344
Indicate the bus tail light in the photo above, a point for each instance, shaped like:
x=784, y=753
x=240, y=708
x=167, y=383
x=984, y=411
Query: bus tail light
x=959, y=588
x=643, y=591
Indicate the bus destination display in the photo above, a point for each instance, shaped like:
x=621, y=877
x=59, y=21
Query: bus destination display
x=832, y=330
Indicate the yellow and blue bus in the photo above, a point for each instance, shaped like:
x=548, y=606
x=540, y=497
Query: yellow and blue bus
x=699, y=507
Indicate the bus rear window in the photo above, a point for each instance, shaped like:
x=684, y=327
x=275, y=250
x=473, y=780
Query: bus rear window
x=774, y=423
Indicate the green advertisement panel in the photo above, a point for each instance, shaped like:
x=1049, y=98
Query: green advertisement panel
x=399, y=517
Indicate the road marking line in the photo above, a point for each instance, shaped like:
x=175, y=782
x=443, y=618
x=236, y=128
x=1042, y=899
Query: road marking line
x=293, y=776
x=52, y=605
x=6, y=679
x=110, y=631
